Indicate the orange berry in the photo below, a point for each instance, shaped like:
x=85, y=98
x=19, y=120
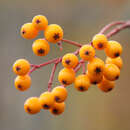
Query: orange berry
x=66, y=76
x=87, y=52
x=57, y=108
x=106, y=85
x=22, y=83
x=113, y=49
x=46, y=100
x=60, y=94
x=40, y=47
x=53, y=33
x=82, y=83
x=32, y=105
x=111, y=72
x=70, y=60
x=117, y=61
x=96, y=66
x=99, y=41
x=40, y=22
x=28, y=31
x=21, y=67
x=96, y=78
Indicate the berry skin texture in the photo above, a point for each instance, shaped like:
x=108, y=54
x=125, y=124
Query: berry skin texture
x=57, y=108
x=40, y=22
x=53, y=33
x=95, y=79
x=87, y=52
x=28, y=31
x=66, y=76
x=113, y=49
x=21, y=67
x=41, y=47
x=46, y=100
x=106, y=85
x=96, y=66
x=111, y=72
x=99, y=41
x=117, y=61
x=60, y=94
x=32, y=105
x=22, y=83
x=82, y=83
x=70, y=60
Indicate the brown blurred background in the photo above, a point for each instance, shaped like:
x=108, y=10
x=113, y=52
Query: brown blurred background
x=81, y=19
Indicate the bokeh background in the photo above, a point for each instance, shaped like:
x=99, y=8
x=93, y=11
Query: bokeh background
x=81, y=19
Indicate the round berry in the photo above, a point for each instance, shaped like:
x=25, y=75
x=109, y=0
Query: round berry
x=96, y=78
x=111, y=72
x=60, y=94
x=32, y=105
x=117, y=61
x=82, y=83
x=66, y=76
x=57, y=108
x=53, y=33
x=40, y=22
x=96, y=66
x=28, y=31
x=99, y=41
x=70, y=60
x=87, y=52
x=40, y=47
x=22, y=83
x=106, y=85
x=46, y=100
x=113, y=49
x=21, y=67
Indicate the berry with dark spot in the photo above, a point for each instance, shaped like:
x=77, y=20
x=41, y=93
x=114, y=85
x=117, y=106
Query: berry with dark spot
x=41, y=47
x=87, y=52
x=57, y=108
x=46, y=100
x=32, y=105
x=70, y=60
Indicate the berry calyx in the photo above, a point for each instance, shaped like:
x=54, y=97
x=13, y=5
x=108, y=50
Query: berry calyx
x=41, y=47
x=87, y=52
x=57, y=108
x=40, y=22
x=66, y=76
x=28, y=31
x=99, y=41
x=53, y=33
x=22, y=83
x=70, y=60
x=32, y=105
x=113, y=49
x=21, y=67
x=82, y=83
x=46, y=100
x=60, y=94
x=111, y=72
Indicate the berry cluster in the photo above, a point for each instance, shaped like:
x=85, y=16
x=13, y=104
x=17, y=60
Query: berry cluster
x=103, y=74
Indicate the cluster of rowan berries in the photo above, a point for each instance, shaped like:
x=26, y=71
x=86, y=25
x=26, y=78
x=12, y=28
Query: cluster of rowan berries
x=97, y=72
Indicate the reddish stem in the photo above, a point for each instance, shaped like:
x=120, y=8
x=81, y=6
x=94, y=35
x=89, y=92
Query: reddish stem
x=107, y=27
x=118, y=29
x=72, y=42
x=84, y=68
x=52, y=76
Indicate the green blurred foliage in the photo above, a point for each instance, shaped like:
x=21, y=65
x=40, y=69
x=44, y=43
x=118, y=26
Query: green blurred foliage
x=92, y=110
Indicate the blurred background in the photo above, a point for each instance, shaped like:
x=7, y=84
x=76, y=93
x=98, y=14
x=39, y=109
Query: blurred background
x=92, y=110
